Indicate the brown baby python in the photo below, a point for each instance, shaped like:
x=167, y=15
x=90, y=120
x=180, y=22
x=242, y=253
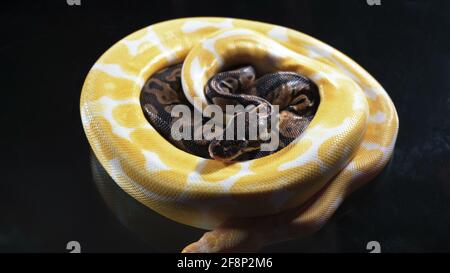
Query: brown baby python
x=296, y=96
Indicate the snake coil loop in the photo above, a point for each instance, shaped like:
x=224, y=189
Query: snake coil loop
x=254, y=202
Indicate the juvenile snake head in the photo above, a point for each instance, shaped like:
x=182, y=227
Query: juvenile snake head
x=246, y=76
x=229, y=150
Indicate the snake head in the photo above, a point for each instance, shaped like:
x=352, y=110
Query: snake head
x=246, y=76
x=229, y=150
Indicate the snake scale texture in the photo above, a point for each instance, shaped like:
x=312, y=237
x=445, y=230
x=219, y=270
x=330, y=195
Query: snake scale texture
x=249, y=203
x=295, y=95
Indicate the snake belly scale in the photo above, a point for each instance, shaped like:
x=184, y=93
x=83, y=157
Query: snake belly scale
x=249, y=203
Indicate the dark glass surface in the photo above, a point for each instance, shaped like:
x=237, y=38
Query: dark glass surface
x=53, y=191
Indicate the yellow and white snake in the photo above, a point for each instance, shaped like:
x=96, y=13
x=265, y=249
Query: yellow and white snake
x=251, y=203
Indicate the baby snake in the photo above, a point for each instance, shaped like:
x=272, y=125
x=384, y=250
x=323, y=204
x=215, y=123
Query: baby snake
x=258, y=200
x=296, y=95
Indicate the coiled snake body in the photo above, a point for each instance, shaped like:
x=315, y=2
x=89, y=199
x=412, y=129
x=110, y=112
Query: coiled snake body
x=296, y=95
x=336, y=145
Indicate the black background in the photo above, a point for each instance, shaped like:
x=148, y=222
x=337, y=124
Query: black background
x=47, y=192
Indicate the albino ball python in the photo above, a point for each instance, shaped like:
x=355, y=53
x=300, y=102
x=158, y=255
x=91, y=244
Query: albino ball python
x=251, y=203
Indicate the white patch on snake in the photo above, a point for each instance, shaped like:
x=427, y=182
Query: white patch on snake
x=352, y=168
x=332, y=77
x=116, y=70
x=195, y=176
x=148, y=126
x=192, y=26
x=196, y=72
x=316, y=52
x=336, y=76
x=209, y=44
x=386, y=151
x=318, y=135
x=378, y=117
x=371, y=93
x=279, y=33
x=318, y=76
x=153, y=162
x=359, y=102
x=108, y=107
x=84, y=118
x=345, y=70
x=125, y=182
x=230, y=181
x=372, y=146
x=278, y=51
x=151, y=38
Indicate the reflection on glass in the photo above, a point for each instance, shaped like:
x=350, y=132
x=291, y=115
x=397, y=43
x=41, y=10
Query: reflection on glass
x=161, y=233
